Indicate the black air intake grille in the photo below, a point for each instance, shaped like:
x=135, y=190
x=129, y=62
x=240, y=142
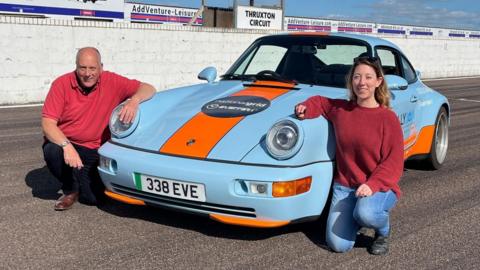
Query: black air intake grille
x=193, y=205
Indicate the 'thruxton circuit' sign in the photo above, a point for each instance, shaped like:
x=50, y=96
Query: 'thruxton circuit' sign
x=258, y=18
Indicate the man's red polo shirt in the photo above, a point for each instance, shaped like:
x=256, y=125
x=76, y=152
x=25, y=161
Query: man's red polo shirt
x=84, y=118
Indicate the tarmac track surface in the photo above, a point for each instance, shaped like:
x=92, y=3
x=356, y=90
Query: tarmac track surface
x=436, y=224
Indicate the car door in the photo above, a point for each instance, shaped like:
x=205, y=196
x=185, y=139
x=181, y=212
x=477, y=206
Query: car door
x=404, y=102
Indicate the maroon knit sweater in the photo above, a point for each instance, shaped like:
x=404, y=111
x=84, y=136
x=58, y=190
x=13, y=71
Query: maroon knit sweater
x=369, y=143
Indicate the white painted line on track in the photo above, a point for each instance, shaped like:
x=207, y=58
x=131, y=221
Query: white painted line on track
x=21, y=134
x=21, y=106
x=452, y=78
x=466, y=99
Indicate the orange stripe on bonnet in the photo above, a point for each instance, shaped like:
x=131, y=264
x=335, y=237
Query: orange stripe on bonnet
x=206, y=131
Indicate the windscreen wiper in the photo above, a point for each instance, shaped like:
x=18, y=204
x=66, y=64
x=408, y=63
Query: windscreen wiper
x=269, y=75
x=240, y=77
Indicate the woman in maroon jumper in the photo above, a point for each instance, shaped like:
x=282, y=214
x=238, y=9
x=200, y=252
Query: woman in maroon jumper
x=369, y=156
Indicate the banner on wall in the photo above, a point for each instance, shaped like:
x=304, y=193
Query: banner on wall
x=100, y=9
x=421, y=31
x=258, y=18
x=161, y=14
x=307, y=24
x=474, y=34
x=327, y=25
x=391, y=29
x=457, y=33
x=355, y=27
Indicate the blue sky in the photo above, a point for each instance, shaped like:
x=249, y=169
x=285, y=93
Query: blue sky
x=458, y=14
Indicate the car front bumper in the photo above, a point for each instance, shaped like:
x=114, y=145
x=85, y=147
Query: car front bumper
x=227, y=190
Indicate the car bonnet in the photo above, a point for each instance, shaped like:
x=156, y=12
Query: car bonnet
x=206, y=125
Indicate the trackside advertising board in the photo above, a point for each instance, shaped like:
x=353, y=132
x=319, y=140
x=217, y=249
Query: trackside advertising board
x=99, y=9
x=258, y=18
x=161, y=14
x=391, y=29
x=355, y=27
x=423, y=31
x=327, y=25
x=307, y=24
x=474, y=34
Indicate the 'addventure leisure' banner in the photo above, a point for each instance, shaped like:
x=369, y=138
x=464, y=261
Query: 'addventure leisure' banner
x=100, y=9
x=161, y=14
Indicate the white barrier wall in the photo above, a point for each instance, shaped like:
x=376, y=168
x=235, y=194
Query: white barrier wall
x=441, y=58
x=33, y=52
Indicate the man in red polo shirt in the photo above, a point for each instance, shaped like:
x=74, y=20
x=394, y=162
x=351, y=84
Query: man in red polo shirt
x=75, y=123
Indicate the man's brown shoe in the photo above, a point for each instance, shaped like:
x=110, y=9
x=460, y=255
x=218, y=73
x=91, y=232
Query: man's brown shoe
x=66, y=201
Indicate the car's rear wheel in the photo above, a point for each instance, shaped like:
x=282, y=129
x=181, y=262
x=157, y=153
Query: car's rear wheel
x=438, y=150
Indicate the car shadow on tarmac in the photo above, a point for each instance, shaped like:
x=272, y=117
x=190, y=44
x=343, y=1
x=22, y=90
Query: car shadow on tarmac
x=199, y=223
x=313, y=230
x=416, y=165
x=46, y=187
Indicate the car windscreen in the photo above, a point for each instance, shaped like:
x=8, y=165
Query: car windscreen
x=315, y=60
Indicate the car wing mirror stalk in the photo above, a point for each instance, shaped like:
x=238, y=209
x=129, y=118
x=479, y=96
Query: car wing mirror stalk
x=419, y=74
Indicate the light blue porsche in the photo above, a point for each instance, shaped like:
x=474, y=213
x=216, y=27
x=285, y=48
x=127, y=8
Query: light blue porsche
x=232, y=148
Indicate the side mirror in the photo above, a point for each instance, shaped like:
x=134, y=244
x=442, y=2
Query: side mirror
x=395, y=82
x=208, y=74
x=419, y=74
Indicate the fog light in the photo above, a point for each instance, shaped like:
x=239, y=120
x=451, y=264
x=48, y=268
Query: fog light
x=258, y=188
x=108, y=164
x=104, y=163
x=291, y=188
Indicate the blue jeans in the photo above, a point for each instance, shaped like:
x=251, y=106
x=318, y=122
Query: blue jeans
x=348, y=213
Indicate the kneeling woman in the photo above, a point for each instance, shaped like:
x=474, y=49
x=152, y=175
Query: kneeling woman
x=369, y=156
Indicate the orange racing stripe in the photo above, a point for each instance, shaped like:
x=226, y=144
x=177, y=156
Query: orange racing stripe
x=206, y=131
x=423, y=143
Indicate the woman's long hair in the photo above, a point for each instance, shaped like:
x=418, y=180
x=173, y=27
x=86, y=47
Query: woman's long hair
x=382, y=95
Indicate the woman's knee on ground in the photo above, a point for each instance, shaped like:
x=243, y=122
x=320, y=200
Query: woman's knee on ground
x=339, y=245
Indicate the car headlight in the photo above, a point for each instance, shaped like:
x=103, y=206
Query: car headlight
x=120, y=129
x=283, y=139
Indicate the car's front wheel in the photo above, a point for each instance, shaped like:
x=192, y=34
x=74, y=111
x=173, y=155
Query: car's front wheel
x=438, y=150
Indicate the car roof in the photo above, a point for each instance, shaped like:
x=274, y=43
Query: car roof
x=373, y=41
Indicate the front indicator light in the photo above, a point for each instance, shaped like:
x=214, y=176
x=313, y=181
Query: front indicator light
x=291, y=188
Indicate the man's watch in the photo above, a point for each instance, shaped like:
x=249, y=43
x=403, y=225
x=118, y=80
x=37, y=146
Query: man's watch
x=65, y=143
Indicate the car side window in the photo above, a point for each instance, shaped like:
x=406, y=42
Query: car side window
x=389, y=61
x=408, y=71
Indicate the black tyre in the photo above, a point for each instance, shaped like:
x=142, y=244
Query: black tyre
x=438, y=151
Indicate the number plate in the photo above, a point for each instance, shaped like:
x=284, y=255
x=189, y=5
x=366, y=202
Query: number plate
x=170, y=188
